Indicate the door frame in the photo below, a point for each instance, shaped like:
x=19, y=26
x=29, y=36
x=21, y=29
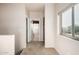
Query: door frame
x=26, y=31
x=44, y=30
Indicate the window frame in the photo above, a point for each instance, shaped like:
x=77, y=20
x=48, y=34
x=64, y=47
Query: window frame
x=72, y=23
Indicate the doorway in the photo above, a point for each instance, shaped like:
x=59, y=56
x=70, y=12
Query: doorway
x=35, y=30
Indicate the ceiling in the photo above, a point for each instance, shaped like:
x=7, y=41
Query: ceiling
x=61, y=6
x=35, y=6
x=40, y=6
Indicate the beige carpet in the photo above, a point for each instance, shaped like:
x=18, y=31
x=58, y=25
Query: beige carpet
x=37, y=48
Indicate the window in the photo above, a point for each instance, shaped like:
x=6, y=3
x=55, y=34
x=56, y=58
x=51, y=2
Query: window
x=70, y=22
x=67, y=22
x=76, y=20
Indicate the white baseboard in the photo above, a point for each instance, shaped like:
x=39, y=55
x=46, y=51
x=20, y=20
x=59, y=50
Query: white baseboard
x=60, y=53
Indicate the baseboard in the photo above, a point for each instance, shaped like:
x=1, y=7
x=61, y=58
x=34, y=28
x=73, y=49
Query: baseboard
x=19, y=52
x=60, y=53
x=48, y=46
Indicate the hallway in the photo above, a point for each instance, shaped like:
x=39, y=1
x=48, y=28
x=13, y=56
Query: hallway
x=37, y=48
x=35, y=44
x=41, y=29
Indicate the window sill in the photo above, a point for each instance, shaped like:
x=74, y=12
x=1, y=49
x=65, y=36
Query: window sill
x=67, y=36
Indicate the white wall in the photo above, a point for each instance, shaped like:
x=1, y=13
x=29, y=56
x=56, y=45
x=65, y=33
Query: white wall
x=13, y=21
x=65, y=45
x=50, y=25
x=29, y=28
x=35, y=15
